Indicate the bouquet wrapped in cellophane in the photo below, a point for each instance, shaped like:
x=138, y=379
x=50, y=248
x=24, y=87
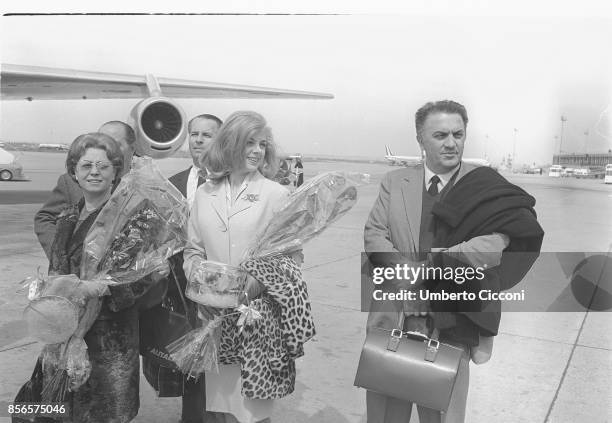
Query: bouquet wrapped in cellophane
x=309, y=211
x=221, y=287
x=306, y=213
x=217, y=285
x=60, y=305
x=140, y=227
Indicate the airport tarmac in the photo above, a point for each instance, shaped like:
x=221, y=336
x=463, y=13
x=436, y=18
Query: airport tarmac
x=546, y=367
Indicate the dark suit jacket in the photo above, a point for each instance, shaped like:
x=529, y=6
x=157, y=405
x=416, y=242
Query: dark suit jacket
x=66, y=193
x=394, y=227
x=180, y=180
x=167, y=381
x=395, y=220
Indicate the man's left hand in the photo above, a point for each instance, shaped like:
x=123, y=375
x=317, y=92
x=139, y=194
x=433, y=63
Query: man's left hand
x=416, y=308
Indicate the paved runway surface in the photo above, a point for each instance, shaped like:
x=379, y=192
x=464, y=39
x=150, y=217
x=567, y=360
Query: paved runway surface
x=546, y=367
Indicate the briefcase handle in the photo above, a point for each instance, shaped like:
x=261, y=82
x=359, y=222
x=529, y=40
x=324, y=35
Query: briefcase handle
x=433, y=345
x=416, y=334
x=419, y=336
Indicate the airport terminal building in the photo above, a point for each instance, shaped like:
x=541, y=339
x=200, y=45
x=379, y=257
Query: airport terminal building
x=582, y=159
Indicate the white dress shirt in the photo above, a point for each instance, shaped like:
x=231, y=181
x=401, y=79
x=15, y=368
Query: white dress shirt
x=444, y=177
x=192, y=184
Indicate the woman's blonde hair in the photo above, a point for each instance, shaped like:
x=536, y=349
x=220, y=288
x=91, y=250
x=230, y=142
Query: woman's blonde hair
x=227, y=152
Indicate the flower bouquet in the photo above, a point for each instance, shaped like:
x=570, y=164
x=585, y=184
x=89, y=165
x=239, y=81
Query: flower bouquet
x=58, y=304
x=221, y=287
x=306, y=213
x=217, y=285
x=140, y=227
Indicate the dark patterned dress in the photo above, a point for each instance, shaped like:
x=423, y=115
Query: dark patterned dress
x=111, y=392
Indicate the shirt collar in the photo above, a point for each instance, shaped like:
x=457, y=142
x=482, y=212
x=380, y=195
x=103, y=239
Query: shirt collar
x=196, y=171
x=444, y=177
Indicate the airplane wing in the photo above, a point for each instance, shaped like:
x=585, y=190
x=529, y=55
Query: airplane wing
x=20, y=82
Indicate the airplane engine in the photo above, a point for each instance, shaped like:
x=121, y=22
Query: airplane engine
x=160, y=127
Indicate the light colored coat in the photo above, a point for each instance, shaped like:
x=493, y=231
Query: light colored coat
x=220, y=232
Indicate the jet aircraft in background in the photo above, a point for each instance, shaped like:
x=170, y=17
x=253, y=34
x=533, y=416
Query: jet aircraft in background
x=412, y=160
x=400, y=160
x=158, y=120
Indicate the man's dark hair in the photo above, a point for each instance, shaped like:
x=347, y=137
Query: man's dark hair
x=443, y=106
x=205, y=116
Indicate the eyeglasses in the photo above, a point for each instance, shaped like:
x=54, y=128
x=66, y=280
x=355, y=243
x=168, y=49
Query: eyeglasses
x=87, y=166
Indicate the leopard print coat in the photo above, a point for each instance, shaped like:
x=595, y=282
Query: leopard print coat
x=266, y=350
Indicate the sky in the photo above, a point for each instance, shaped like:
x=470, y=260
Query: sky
x=516, y=75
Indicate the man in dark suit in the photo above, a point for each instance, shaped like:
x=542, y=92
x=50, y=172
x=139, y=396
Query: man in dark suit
x=402, y=229
x=68, y=192
x=201, y=129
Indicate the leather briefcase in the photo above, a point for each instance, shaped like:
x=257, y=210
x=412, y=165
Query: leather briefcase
x=409, y=366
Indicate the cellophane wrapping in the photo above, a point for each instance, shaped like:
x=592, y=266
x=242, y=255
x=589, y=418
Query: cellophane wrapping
x=197, y=350
x=216, y=284
x=57, y=305
x=60, y=307
x=219, y=286
x=307, y=212
x=140, y=227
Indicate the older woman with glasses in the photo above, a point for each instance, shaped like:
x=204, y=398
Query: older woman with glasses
x=111, y=393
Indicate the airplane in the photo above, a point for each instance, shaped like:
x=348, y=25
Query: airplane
x=53, y=146
x=412, y=160
x=291, y=156
x=400, y=160
x=158, y=120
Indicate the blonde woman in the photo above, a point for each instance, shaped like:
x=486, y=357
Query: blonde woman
x=227, y=213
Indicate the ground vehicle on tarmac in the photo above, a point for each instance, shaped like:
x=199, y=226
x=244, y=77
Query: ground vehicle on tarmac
x=555, y=171
x=608, y=175
x=10, y=168
x=567, y=172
